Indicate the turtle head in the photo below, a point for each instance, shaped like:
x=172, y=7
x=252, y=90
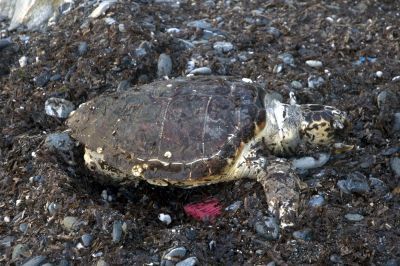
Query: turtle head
x=293, y=128
x=322, y=125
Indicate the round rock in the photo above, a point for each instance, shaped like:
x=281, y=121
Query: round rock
x=58, y=107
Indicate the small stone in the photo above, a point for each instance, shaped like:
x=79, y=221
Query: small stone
x=396, y=78
x=315, y=82
x=234, y=206
x=268, y=229
x=396, y=123
x=59, y=142
x=117, y=231
x=287, y=59
x=36, y=179
x=124, y=85
x=379, y=74
x=64, y=262
x=109, y=21
x=55, y=77
x=71, y=223
x=392, y=262
x=20, y=250
x=201, y=71
x=7, y=241
x=296, y=85
x=316, y=201
x=5, y=43
x=310, y=162
x=304, y=234
x=35, y=261
x=200, y=24
x=175, y=254
x=23, y=61
x=164, y=65
x=355, y=183
x=336, y=259
x=165, y=218
x=191, y=261
x=274, y=32
x=278, y=68
x=121, y=28
x=23, y=227
x=102, y=262
x=223, y=47
x=377, y=185
x=42, y=79
x=52, y=208
x=354, y=217
x=58, y=107
x=314, y=63
x=395, y=165
x=272, y=263
x=82, y=48
x=87, y=239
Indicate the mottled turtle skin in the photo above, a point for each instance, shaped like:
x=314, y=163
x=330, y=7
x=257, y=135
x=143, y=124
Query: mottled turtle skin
x=200, y=130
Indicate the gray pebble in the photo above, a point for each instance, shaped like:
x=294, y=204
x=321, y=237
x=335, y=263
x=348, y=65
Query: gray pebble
x=87, y=239
x=377, y=185
x=355, y=183
x=102, y=262
x=7, y=241
x=52, y=208
x=64, y=262
x=201, y=71
x=82, y=48
x=36, y=179
x=124, y=85
x=383, y=98
x=336, y=259
x=305, y=234
x=35, y=261
x=315, y=82
x=272, y=263
x=316, y=201
x=354, y=217
x=117, y=231
x=234, y=206
x=274, y=32
x=71, y=223
x=42, y=79
x=223, y=47
x=296, y=85
x=175, y=254
x=268, y=229
x=287, y=59
x=390, y=151
x=201, y=24
x=191, y=261
x=396, y=122
x=164, y=65
x=5, y=43
x=47, y=264
x=59, y=142
x=23, y=227
x=55, y=77
x=20, y=250
x=392, y=262
x=58, y=107
x=395, y=165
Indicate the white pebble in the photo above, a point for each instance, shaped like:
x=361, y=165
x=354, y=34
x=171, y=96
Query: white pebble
x=23, y=61
x=379, y=74
x=165, y=218
x=396, y=78
x=314, y=63
x=121, y=28
x=247, y=80
x=309, y=162
x=102, y=8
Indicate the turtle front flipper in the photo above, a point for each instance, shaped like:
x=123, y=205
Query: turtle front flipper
x=280, y=183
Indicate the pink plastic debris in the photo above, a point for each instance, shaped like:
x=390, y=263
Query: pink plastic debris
x=207, y=210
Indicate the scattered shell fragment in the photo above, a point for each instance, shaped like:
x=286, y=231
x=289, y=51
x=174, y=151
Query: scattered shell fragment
x=168, y=154
x=314, y=63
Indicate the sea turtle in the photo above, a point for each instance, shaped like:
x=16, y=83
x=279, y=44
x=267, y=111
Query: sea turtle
x=193, y=131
